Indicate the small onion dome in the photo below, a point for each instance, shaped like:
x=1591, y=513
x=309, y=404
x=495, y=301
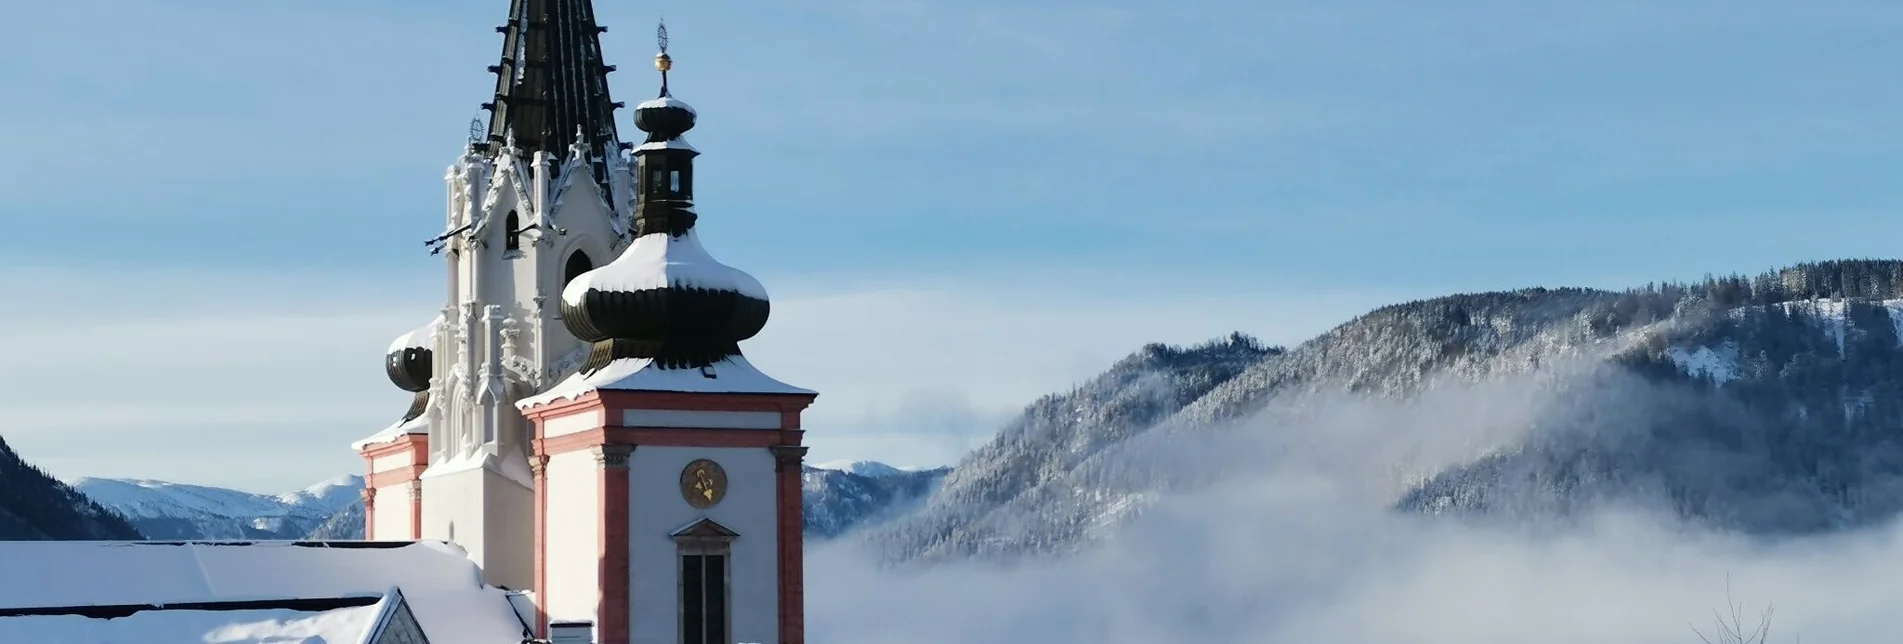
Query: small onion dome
x=664, y=299
x=408, y=360
x=664, y=118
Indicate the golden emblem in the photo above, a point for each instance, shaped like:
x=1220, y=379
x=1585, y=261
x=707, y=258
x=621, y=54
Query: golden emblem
x=703, y=483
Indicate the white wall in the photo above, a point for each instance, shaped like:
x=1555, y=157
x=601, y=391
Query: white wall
x=657, y=510
x=489, y=515
x=574, y=523
x=509, y=508
x=392, y=513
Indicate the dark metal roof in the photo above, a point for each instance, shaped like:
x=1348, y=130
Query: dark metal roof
x=552, y=81
x=309, y=605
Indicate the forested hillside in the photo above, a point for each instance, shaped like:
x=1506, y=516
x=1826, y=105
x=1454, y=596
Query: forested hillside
x=1764, y=403
x=34, y=506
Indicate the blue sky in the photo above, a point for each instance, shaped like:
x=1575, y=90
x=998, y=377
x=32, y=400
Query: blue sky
x=216, y=207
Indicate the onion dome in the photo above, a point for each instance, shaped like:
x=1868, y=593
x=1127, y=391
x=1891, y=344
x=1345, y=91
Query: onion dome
x=664, y=299
x=667, y=300
x=408, y=362
x=665, y=118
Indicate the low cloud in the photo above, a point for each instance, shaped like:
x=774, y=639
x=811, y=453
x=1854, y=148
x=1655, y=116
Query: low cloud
x=1297, y=544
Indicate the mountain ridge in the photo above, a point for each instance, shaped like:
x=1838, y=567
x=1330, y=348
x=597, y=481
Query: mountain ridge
x=836, y=502
x=1560, y=358
x=169, y=510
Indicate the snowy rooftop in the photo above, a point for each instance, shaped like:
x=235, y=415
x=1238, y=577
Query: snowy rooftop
x=665, y=101
x=730, y=376
x=441, y=587
x=659, y=261
x=670, y=144
x=347, y=625
x=423, y=337
x=418, y=425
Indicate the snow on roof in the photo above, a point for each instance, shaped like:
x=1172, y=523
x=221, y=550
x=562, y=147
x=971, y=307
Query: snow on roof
x=677, y=143
x=417, y=425
x=733, y=375
x=423, y=337
x=665, y=101
x=662, y=260
x=441, y=585
x=263, y=626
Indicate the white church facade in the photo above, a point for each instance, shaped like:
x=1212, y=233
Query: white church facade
x=584, y=425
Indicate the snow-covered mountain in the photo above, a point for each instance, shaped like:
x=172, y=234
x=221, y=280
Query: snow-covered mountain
x=1768, y=404
x=837, y=502
x=861, y=494
x=166, y=510
x=873, y=469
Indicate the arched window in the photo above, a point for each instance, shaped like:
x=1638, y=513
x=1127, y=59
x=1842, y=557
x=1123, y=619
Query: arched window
x=578, y=263
x=512, y=236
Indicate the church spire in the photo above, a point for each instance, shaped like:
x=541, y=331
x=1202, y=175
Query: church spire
x=552, y=82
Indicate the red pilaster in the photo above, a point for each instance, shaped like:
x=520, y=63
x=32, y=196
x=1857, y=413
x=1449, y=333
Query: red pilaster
x=539, y=467
x=613, y=609
x=369, y=513
x=416, y=509
x=789, y=461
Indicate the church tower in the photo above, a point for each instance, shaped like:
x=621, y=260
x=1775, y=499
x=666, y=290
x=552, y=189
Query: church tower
x=540, y=195
x=668, y=467
x=582, y=421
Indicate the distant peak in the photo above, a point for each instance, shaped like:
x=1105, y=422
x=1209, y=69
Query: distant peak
x=863, y=468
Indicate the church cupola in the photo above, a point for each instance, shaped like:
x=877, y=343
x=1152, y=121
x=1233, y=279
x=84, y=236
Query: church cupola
x=665, y=162
x=410, y=362
x=664, y=299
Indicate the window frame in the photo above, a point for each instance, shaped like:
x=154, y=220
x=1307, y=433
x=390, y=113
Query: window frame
x=704, y=539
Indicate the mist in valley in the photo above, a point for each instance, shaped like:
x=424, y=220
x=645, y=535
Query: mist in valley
x=1298, y=539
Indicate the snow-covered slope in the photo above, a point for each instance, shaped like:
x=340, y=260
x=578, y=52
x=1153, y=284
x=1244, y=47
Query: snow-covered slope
x=861, y=494
x=873, y=469
x=166, y=510
x=329, y=496
x=1769, y=404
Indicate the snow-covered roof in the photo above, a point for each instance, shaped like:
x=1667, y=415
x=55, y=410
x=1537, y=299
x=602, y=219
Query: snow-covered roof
x=423, y=337
x=733, y=375
x=349, y=625
x=417, y=425
x=677, y=143
x=665, y=101
x=659, y=261
x=438, y=582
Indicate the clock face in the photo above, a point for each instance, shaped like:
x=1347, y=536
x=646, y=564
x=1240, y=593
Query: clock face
x=703, y=483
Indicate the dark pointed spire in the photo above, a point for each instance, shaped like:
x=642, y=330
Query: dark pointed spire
x=552, y=82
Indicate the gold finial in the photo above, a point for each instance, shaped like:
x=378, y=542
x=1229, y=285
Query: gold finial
x=663, y=62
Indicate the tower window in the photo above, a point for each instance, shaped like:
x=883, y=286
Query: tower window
x=704, y=599
x=655, y=178
x=512, y=239
x=578, y=263
x=705, y=549
x=674, y=181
